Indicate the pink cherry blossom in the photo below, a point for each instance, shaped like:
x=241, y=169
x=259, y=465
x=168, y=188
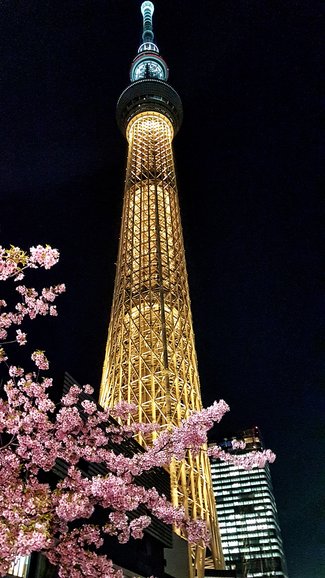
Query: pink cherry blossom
x=21, y=337
x=247, y=461
x=40, y=359
x=238, y=444
x=36, y=433
x=43, y=256
x=89, y=406
x=88, y=389
x=123, y=409
x=15, y=371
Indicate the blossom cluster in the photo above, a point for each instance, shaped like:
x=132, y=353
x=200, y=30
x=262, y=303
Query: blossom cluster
x=14, y=261
x=35, y=433
x=252, y=459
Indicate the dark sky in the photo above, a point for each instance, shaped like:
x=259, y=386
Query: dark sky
x=248, y=161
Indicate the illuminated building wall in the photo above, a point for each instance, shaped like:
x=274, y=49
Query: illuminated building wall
x=150, y=356
x=247, y=513
x=20, y=568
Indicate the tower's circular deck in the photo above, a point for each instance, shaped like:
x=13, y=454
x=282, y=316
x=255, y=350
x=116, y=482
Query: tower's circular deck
x=149, y=95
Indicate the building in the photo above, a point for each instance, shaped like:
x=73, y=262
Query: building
x=247, y=513
x=150, y=356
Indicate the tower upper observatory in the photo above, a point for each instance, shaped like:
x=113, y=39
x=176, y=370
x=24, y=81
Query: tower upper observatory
x=149, y=74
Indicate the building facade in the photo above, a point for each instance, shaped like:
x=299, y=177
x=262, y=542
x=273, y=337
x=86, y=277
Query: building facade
x=247, y=513
x=150, y=356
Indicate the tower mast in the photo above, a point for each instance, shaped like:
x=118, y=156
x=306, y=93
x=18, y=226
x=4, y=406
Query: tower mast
x=150, y=355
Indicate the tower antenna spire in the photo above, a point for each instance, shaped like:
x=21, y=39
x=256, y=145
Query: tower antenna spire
x=147, y=9
x=148, y=64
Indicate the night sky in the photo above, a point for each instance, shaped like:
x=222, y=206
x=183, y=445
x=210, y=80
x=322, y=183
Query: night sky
x=248, y=163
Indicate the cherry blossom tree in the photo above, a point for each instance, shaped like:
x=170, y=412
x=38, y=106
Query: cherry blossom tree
x=35, y=433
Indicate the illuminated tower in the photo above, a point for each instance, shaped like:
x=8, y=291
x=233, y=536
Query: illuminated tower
x=150, y=355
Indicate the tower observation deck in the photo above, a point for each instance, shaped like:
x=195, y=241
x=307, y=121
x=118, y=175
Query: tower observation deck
x=150, y=357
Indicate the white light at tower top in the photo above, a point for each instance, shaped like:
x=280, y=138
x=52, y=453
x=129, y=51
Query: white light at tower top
x=147, y=9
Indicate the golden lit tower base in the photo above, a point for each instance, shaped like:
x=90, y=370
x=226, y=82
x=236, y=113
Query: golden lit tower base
x=150, y=356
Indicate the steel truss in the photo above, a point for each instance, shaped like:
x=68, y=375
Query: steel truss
x=150, y=355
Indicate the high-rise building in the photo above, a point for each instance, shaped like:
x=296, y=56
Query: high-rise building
x=247, y=513
x=150, y=356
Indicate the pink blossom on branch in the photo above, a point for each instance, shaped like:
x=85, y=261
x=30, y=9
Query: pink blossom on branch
x=123, y=409
x=21, y=337
x=38, y=441
x=14, y=261
x=15, y=371
x=43, y=256
x=35, y=434
x=247, y=461
x=40, y=359
x=88, y=389
x=238, y=444
x=89, y=407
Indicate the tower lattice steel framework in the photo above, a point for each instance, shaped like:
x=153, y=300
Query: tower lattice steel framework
x=150, y=355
